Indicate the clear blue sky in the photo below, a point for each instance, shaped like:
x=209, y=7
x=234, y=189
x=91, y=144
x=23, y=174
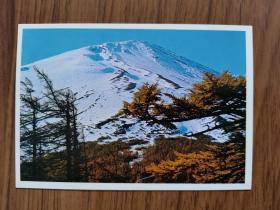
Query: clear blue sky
x=220, y=50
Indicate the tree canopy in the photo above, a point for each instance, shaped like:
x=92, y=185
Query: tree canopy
x=222, y=97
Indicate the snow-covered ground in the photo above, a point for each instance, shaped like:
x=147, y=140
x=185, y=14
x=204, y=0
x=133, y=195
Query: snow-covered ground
x=113, y=72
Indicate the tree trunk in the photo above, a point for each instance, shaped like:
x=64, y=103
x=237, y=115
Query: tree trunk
x=76, y=150
x=34, y=146
x=68, y=144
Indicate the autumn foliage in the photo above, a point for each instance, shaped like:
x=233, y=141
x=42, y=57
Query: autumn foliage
x=215, y=96
x=217, y=164
x=56, y=150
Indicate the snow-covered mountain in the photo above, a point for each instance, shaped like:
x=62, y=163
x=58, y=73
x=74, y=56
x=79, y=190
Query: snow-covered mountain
x=113, y=72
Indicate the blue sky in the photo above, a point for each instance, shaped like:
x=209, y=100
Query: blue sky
x=220, y=50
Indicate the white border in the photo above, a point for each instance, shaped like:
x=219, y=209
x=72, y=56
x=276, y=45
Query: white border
x=143, y=186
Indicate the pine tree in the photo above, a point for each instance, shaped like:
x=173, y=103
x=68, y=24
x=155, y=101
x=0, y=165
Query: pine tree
x=32, y=138
x=61, y=105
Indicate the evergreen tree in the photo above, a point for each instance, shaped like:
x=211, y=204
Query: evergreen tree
x=31, y=130
x=61, y=105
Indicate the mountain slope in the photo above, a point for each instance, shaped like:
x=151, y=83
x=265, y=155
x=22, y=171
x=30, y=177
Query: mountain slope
x=113, y=72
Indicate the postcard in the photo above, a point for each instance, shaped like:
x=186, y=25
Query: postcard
x=134, y=107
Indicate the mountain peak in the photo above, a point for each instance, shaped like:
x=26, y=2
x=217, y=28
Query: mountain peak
x=114, y=71
x=143, y=48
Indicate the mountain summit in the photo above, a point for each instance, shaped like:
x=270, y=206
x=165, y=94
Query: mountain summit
x=108, y=74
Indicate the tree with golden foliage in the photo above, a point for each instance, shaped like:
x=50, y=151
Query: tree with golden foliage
x=218, y=164
x=216, y=96
x=144, y=101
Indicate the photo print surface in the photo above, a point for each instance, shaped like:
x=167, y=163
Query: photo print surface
x=134, y=107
